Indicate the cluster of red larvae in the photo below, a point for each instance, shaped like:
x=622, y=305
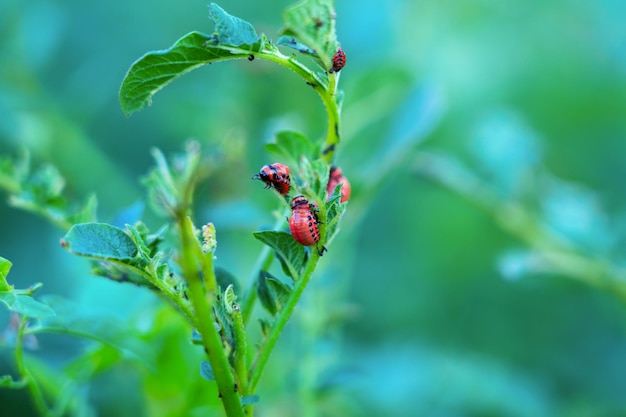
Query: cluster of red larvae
x=303, y=221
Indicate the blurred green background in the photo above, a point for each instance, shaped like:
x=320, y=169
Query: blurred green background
x=529, y=96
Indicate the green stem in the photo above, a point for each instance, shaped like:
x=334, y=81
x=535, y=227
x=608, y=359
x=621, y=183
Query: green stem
x=205, y=321
x=328, y=94
x=33, y=387
x=332, y=111
x=265, y=350
x=241, y=349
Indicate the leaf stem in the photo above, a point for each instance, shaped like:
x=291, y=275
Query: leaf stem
x=332, y=110
x=327, y=92
x=241, y=350
x=205, y=321
x=265, y=350
x=281, y=320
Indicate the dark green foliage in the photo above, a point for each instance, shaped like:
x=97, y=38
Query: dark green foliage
x=226, y=279
x=291, y=253
x=272, y=292
x=289, y=147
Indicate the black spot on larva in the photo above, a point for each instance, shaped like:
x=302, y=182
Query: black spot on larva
x=251, y=57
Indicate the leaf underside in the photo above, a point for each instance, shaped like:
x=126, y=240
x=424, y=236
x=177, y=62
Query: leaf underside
x=290, y=251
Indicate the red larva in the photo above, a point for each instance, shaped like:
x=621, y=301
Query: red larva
x=336, y=177
x=275, y=175
x=303, y=223
x=339, y=60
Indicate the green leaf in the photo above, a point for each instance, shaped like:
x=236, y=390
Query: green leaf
x=5, y=267
x=26, y=305
x=138, y=240
x=279, y=290
x=316, y=174
x=265, y=296
x=272, y=292
x=86, y=213
x=321, y=172
x=292, y=253
x=155, y=70
x=233, y=38
x=41, y=190
x=231, y=30
x=265, y=327
x=100, y=241
x=334, y=211
x=46, y=183
x=228, y=299
x=206, y=371
x=312, y=22
x=290, y=146
x=170, y=181
x=122, y=272
x=114, y=254
x=225, y=279
x=146, y=242
x=23, y=304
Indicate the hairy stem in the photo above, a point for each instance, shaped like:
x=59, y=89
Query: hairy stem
x=241, y=350
x=327, y=92
x=281, y=320
x=191, y=266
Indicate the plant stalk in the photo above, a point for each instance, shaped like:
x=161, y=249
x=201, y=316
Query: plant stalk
x=328, y=94
x=191, y=266
x=265, y=350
